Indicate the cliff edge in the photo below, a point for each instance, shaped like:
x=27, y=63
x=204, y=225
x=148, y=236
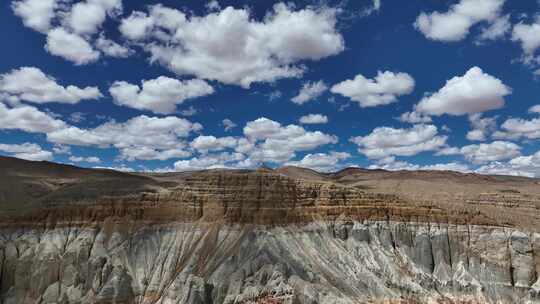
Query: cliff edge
x=290, y=235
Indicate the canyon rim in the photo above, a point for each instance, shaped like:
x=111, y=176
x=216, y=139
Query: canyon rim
x=289, y=235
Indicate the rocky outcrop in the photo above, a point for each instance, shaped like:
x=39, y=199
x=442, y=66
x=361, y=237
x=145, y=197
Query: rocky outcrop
x=338, y=262
x=267, y=199
x=261, y=237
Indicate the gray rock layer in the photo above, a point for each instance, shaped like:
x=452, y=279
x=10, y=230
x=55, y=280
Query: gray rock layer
x=322, y=262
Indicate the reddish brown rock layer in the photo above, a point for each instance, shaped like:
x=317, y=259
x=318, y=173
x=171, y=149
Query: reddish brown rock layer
x=273, y=199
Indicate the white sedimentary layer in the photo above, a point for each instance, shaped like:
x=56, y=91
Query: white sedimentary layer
x=322, y=262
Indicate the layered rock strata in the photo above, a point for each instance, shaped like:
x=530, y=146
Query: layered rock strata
x=262, y=237
x=321, y=262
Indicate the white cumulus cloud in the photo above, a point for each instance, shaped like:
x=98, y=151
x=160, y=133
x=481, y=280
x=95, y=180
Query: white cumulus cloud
x=71, y=27
x=528, y=35
x=29, y=119
x=228, y=124
x=495, y=151
x=310, y=91
x=231, y=46
x=36, y=14
x=26, y=151
x=482, y=127
x=160, y=95
x=87, y=16
x=520, y=166
x=211, y=143
x=516, y=128
x=391, y=164
x=535, y=109
x=498, y=29
x=414, y=118
x=32, y=85
x=386, y=141
x=313, y=119
x=70, y=46
x=88, y=159
x=322, y=162
x=455, y=24
x=141, y=137
x=381, y=90
x=211, y=161
x=111, y=48
x=474, y=92
x=268, y=141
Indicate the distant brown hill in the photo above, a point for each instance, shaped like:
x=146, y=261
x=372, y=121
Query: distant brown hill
x=288, y=194
x=28, y=184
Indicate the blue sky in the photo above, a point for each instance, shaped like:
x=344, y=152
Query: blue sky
x=173, y=86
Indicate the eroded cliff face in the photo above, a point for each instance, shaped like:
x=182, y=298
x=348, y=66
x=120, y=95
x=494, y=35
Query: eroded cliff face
x=263, y=237
x=268, y=199
x=339, y=262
